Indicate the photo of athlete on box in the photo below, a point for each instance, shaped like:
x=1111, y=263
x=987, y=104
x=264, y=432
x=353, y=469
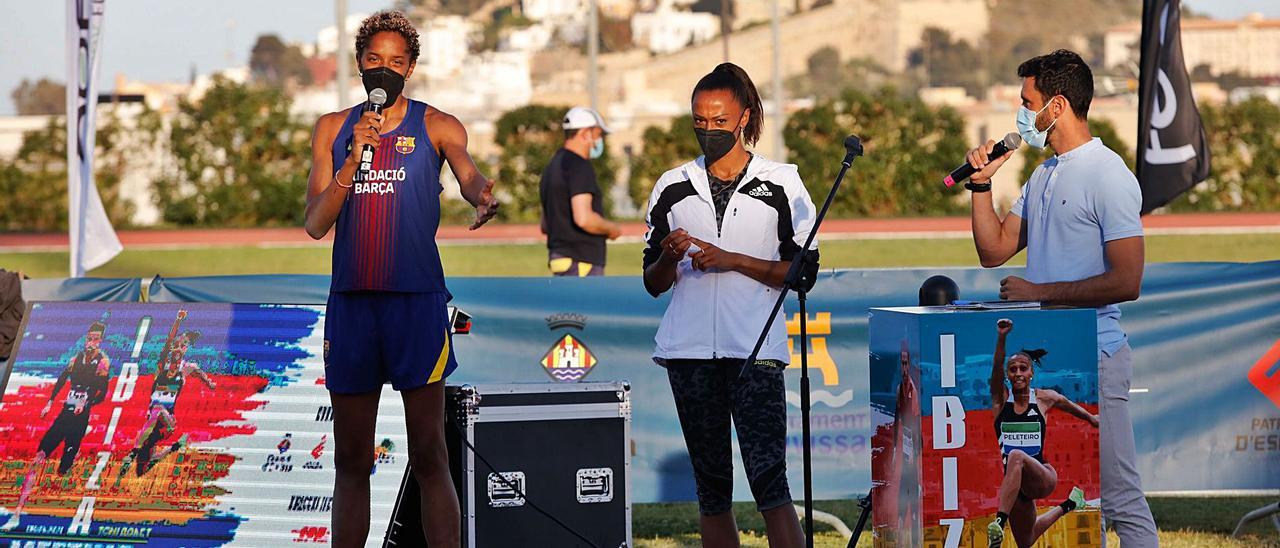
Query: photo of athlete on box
x=906, y=465
x=87, y=375
x=1022, y=429
x=172, y=371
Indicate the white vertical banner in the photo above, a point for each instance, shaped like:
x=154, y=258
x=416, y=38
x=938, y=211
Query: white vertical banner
x=93, y=241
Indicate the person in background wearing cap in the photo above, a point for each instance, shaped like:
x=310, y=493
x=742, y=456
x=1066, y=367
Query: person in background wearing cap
x=572, y=207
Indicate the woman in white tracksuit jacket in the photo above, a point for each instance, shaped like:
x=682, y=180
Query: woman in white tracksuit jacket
x=723, y=230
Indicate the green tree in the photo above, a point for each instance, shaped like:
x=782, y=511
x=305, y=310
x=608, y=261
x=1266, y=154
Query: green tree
x=663, y=149
x=274, y=62
x=615, y=34
x=43, y=96
x=909, y=148
x=1032, y=157
x=821, y=81
x=529, y=136
x=503, y=20
x=824, y=70
x=1021, y=30
x=948, y=62
x=1244, y=141
x=34, y=183
x=241, y=160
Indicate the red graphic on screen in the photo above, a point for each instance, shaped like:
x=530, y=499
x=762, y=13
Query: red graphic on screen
x=1265, y=374
x=319, y=448
x=981, y=468
x=312, y=534
x=178, y=488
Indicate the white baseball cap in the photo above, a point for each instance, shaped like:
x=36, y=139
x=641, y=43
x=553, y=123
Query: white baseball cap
x=583, y=117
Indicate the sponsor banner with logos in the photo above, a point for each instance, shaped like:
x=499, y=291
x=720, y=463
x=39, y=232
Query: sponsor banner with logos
x=1206, y=386
x=194, y=425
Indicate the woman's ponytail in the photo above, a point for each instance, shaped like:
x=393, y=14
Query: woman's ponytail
x=731, y=77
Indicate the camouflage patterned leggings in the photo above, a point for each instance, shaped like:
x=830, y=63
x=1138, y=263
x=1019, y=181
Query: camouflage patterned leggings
x=708, y=393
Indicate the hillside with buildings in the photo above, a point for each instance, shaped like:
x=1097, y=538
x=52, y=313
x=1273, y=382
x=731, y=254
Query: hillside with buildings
x=483, y=58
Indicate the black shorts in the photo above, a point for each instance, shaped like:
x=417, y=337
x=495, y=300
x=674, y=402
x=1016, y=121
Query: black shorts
x=146, y=451
x=708, y=393
x=67, y=428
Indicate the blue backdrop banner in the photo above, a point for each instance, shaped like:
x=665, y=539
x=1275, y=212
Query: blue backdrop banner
x=269, y=288
x=82, y=289
x=1197, y=332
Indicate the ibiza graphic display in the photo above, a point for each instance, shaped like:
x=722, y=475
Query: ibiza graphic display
x=985, y=428
x=131, y=424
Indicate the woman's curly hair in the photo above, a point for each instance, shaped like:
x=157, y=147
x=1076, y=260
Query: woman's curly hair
x=387, y=21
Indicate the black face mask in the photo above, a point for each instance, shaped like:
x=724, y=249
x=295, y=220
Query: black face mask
x=389, y=80
x=716, y=143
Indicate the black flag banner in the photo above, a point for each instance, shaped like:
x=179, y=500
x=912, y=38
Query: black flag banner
x=1173, y=153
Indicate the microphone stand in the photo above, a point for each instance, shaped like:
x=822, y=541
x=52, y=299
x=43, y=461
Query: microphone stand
x=795, y=281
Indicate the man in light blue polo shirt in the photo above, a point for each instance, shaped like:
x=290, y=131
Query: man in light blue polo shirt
x=1078, y=218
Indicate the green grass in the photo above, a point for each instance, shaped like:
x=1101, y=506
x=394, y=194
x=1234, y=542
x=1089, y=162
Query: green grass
x=675, y=518
x=624, y=259
x=1168, y=539
x=1183, y=522
x=749, y=540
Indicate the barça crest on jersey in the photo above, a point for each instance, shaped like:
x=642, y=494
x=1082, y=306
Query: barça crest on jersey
x=404, y=144
x=568, y=360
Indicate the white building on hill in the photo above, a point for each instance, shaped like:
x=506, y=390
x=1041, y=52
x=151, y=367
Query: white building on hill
x=532, y=39
x=327, y=38
x=496, y=82
x=669, y=31
x=1249, y=46
x=444, y=46
x=554, y=10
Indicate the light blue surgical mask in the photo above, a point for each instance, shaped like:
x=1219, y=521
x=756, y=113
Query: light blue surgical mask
x=597, y=148
x=1027, y=126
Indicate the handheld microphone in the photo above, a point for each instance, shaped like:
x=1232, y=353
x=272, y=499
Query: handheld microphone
x=377, y=98
x=1011, y=142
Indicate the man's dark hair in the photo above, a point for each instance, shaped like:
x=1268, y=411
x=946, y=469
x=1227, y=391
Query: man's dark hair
x=1063, y=73
x=731, y=77
x=387, y=21
x=571, y=133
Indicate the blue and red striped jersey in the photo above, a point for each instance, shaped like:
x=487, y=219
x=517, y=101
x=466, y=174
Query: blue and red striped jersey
x=386, y=231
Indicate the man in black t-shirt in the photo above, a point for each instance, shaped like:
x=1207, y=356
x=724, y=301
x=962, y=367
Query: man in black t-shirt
x=572, y=207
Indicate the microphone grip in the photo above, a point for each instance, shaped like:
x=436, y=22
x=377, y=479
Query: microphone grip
x=366, y=153
x=967, y=170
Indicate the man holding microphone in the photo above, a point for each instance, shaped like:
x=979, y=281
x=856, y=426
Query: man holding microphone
x=1079, y=219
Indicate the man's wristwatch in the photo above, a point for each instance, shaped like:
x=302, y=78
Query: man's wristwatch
x=978, y=187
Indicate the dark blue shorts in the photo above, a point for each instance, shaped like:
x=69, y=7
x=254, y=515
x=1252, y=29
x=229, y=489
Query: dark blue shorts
x=371, y=338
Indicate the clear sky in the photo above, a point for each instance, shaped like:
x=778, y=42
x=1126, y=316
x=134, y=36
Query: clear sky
x=156, y=40
x=1234, y=9
x=162, y=40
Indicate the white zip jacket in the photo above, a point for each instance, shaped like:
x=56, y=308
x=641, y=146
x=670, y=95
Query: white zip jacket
x=720, y=314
